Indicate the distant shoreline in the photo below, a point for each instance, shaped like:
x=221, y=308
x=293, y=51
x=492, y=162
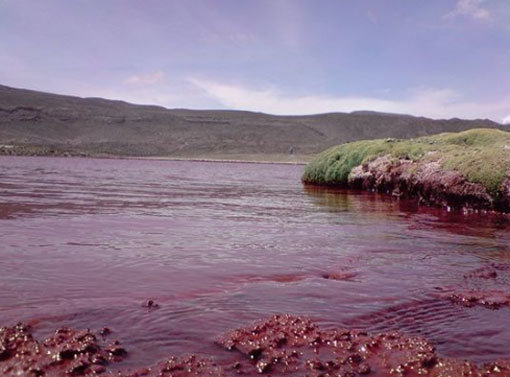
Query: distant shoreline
x=223, y=160
x=252, y=159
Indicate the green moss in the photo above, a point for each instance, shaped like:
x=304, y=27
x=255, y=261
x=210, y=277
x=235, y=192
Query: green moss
x=481, y=155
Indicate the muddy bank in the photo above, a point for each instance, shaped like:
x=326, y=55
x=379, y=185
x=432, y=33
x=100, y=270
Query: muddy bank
x=468, y=170
x=430, y=183
x=281, y=345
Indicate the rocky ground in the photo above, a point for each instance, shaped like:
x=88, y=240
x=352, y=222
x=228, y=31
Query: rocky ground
x=430, y=182
x=280, y=346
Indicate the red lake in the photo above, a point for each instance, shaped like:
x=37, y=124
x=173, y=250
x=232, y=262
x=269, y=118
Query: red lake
x=85, y=243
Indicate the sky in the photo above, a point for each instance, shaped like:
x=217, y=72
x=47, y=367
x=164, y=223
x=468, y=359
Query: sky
x=433, y=58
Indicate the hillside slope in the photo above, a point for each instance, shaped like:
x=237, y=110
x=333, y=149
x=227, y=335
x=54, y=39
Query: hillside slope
x=99, y=126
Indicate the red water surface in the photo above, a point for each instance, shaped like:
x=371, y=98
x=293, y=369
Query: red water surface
x=85, y=243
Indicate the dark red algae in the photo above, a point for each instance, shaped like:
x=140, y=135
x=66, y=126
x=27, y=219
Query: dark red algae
x=487, y=286
x=67, y=352
x=282, y=345
x=288, y=345
x=493, y=299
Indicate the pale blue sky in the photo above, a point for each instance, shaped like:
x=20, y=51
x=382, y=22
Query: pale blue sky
x=437, y=58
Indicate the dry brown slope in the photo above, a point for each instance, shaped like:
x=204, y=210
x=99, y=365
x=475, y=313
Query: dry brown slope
x=95, y=126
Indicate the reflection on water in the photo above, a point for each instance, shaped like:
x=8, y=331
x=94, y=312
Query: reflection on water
x=84, y=242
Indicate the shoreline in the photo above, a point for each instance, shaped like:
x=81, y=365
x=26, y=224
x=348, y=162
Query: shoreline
x=208, y=159
x=264, y=159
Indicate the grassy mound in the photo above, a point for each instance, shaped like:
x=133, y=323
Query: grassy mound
x=480, y=155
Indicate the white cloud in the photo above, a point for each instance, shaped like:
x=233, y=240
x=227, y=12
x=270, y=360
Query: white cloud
x=471, y=8
x=145, y=79
x=434, y=103
x=506, y=120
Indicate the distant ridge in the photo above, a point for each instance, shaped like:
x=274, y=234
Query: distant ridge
x=96, y=126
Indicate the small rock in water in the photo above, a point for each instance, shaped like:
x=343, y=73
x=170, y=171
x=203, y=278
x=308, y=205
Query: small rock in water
x=150, y=305
x=346, y=275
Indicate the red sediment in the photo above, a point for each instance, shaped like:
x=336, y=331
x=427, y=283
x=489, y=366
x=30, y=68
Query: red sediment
x=486, y=286
x=483, y=273
x=79, y=353
x=293, y=278
x=346, y=275
x=67, y=353
x=278, y=278
x=288, y=345
x=491, y=271
x=281, y=345
x=179, y=367
x=492, y=299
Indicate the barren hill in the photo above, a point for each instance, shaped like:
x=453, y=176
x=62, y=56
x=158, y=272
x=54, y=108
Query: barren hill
x=39, y=121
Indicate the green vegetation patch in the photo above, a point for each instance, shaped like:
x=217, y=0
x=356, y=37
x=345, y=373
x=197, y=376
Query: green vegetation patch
x=480, y=155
